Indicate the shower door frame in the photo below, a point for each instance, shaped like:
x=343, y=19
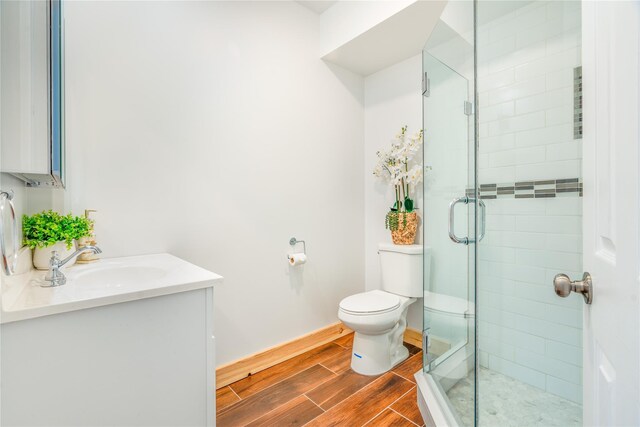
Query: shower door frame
x=602, y=26
x=439, y=412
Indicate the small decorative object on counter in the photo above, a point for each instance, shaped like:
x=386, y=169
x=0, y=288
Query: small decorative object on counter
x=397, y=166
x=49, y=231
x=90, y=240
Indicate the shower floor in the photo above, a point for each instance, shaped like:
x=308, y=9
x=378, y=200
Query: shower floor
x=505, y=401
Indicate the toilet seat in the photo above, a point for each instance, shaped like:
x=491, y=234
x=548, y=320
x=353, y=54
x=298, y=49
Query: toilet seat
x=372, y=302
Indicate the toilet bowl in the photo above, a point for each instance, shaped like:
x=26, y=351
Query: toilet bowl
x=379, y=317
x=379, y=320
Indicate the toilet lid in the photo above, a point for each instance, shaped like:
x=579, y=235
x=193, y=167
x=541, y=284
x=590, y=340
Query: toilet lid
x=370, y=302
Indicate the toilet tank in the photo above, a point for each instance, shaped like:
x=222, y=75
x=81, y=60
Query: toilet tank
x=402, y=269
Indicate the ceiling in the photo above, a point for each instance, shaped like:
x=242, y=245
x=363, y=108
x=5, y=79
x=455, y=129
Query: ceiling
x=318, y=6
x=396, y=38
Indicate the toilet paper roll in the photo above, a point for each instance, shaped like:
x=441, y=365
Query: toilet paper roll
x=297, y=259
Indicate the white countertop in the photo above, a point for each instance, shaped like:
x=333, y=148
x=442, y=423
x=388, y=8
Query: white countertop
x=105, y=282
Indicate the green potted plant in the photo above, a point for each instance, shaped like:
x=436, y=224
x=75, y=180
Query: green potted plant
x=49, y=231
x=397, y=166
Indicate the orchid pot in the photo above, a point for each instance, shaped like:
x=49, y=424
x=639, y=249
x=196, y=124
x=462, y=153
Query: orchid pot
x=397, y=166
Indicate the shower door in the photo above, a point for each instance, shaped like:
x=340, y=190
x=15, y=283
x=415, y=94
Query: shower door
x=501, y=348
x=449, y=323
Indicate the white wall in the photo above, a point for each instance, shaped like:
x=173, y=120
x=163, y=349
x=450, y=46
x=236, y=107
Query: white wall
x=213, y=131
x=392, y=99
x=525, y=83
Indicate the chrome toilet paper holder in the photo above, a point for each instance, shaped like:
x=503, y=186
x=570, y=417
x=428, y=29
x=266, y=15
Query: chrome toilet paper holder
x=293, y=241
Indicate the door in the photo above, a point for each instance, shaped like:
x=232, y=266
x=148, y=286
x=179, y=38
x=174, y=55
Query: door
x=449, y=322
x=611, y=211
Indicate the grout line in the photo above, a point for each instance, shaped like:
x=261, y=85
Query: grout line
x=314, y=402
x=309, y=391
x=284, y=361
x=322, y=383
x=376, y=416
x=392, y=403
x=267, y=413
x=234, y=392
x=311, y=400
x=226, y=408
x=328, y=369
x=260, y=391
x=364, y=388
x=339, y=345
x=407, y=359
x=393, y=410
x=406, y=379
x=356, y=392
x=403, y=395
x=278, y=382
x=278, y=407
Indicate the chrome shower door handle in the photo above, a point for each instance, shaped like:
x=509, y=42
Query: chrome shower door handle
x=452, y=216
x=483, y=220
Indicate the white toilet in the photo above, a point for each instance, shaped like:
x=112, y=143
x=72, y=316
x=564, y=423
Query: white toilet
x=379, y=318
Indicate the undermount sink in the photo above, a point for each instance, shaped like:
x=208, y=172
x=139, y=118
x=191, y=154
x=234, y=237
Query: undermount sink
x=117, y=277
x=107, y=281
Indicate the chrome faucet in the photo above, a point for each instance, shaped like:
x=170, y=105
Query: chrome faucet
x=54, y=276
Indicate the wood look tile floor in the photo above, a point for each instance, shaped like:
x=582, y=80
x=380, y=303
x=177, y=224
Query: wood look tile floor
x=318, y=388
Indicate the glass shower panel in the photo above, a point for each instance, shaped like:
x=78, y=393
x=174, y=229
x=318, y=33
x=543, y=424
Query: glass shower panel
x=529, y=176
x=449, y=269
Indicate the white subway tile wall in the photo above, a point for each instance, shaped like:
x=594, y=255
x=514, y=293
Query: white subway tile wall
x=525, y=81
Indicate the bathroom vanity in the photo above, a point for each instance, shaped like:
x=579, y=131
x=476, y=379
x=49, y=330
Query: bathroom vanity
x=127, y=341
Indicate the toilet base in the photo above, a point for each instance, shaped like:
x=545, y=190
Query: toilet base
x=377, y=354
x=372, y=356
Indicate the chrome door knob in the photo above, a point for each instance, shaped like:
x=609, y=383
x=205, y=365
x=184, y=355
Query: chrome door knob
x=563, y=286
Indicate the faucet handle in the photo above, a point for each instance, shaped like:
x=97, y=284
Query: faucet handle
x=54, y=276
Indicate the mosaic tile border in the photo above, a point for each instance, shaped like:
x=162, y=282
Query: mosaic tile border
x=568, y=187
x=577, y=103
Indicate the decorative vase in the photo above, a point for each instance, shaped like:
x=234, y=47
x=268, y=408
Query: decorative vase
x=41, y=256
x=405, y=234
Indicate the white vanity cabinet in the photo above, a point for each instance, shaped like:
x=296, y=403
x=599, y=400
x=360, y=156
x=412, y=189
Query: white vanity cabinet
x=132, y=359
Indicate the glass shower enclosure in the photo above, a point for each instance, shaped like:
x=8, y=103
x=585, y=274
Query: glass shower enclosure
x=502, y=199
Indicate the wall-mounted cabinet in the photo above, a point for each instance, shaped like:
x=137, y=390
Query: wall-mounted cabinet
x=32, y=91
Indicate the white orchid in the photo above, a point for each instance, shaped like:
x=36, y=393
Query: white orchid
x=414, y=176
x=395, y=165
